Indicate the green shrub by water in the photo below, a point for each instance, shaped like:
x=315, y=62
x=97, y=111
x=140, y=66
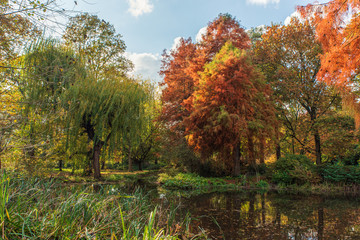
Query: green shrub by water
x=294, y=169
x=340, y=174
x=45, y=209
x=188, y=181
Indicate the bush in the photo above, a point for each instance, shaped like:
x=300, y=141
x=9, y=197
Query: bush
x=340, y=174
x=262, y=184
x=294, y=169
x=281, y=177
x=189, y=181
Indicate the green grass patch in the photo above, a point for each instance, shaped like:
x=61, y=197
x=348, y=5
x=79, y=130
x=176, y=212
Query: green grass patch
x=35, y=208
x=189, y=181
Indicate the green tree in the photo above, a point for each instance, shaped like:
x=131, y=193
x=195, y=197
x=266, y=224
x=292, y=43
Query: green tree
x=108, y=112
x=289, y=56
x=49, y=69
x=96, y=40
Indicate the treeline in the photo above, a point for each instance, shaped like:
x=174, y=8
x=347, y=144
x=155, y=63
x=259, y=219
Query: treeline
x=229, y=104
x=239, y=98
x=71, y=99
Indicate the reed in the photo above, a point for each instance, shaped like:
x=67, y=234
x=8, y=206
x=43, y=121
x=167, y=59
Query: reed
x=34, y=208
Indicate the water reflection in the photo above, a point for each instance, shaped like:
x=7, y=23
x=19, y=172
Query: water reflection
x=274, y=216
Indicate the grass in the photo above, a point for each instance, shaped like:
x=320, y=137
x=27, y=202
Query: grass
x=44, y=209
x=108, y=175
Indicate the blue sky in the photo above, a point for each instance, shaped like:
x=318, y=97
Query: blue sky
x=150, y=26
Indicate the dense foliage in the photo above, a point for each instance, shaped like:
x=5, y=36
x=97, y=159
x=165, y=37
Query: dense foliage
x=231, y=103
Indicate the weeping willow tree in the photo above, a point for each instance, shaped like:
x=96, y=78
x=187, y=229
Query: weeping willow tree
x=109, y=112
x=61, y=97
x=49, y=70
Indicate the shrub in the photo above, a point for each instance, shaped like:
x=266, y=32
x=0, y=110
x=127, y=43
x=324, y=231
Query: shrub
x=262, y=184
x=292, y=169
x=189, y=181
x=339, y=173
x=281, y=177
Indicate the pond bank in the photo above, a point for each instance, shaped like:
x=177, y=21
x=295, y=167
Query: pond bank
x=192, y=183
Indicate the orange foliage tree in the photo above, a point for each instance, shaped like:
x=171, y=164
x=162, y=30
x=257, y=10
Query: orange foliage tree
x=230, y=103
x=289, y=56
x=213, y=93
x=337, y=27
x=178, y=84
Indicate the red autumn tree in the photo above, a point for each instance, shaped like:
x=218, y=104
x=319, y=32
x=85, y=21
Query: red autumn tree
x=179, y=86
x=337, y=27
x=213, y=92
x=223, y=29
x=226, y=104
x=181, y=66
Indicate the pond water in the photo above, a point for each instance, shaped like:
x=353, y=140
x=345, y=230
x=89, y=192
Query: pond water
x=274, y=216
x=271, y=215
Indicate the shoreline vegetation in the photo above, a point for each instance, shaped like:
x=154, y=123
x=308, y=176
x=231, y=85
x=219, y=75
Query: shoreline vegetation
x=122, y=205
x=40, y=208
x=173, y=180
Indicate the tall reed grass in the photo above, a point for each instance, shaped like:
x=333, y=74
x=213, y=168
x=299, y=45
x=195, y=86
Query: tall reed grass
x=32, y=208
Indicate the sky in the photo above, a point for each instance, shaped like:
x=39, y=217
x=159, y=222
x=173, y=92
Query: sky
x=150, y=26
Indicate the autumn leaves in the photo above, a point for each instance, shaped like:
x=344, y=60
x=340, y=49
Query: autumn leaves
x=218, y=96
x=236, y=97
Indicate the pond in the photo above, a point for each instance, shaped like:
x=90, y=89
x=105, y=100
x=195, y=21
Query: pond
x=274, y=216
x=271, y=215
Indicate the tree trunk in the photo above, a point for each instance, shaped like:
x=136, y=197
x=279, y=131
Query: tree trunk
x=251, y=161
x=96, y=160
x=88, y=168
x=130, y=160
x=278, y=151
x=103, y=165
x=277, y=148
x=317, y=147
x=262, y=150
x=320, y=223
x=140, y=165
x=236, y=158
x=60, y=165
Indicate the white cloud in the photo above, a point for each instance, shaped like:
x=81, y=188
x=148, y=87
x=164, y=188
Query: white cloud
x=146, y=65
x=201, y=32
x=139, y=7
x=262, y=2
x=176, y=43
x=295, y=14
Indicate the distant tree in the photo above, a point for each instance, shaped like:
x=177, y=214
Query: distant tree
x=48, y=71
x=108, y=112
x=289, y=56
x=337, y=29
x=99, y=44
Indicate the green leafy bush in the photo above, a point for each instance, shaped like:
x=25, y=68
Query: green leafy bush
x=262, y=184
x=281, y=177
x=340, y=174
x=292, y=169
x=188, y=181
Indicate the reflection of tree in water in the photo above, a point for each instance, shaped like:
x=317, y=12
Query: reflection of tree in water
x=274, y=216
